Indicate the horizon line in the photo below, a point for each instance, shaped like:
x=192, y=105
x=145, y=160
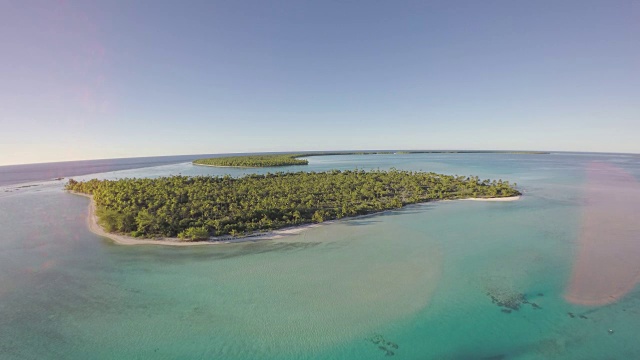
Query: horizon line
x=318, y=151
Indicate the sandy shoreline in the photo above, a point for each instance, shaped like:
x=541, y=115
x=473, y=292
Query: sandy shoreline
x=94, y=227
x=510, y=198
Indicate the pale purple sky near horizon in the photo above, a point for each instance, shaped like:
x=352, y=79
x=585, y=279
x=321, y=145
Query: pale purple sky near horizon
x=106, y=79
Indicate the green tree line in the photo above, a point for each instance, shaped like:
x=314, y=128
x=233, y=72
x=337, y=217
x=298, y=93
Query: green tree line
x=271, y=160
x=197, y=207
x=254, y=161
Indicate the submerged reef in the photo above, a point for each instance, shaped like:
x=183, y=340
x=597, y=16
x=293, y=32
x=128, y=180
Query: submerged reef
x=510, y=300
x=384, y=345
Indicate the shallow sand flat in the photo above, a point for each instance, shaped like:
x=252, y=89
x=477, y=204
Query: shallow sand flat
x=92, y=222
x=607, y=262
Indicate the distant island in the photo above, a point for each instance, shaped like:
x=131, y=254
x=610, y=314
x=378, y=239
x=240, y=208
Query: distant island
x=274, y=160
x=197, y=208
x=254, y=161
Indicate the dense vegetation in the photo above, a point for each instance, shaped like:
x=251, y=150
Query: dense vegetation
x=254, y=161
x=196, y=207
x=269, y=160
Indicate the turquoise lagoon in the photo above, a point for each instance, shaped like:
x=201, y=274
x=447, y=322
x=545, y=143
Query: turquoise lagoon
x=444, y=280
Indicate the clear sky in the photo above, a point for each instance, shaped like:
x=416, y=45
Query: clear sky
x=116, y=78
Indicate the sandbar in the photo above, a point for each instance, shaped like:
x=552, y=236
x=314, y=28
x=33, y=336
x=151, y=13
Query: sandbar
x=607, y=257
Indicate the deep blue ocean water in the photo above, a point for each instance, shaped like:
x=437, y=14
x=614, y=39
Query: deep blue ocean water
x=428, y=281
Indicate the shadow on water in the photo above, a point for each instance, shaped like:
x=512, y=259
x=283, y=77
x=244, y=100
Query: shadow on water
x=178, y=255
x=375, y=217
x=361, y=222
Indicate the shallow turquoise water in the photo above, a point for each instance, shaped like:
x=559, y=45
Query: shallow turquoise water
x=416, y=279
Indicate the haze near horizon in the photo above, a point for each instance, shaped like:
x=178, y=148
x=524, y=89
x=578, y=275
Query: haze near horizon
x=87, y=80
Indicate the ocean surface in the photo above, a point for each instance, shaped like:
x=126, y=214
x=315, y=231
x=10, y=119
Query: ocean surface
x=20, y=174
x=551, y=276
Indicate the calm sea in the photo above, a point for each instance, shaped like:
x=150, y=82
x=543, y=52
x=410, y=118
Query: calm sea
x=16, y=174
x=446, y=280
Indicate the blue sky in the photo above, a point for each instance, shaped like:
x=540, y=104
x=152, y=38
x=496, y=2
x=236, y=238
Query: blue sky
x=104, y=79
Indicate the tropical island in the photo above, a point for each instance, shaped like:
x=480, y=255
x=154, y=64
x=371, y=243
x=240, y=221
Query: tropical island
x=290, y=159
x=196, y=208
x=273, y=160
x=254, y=161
